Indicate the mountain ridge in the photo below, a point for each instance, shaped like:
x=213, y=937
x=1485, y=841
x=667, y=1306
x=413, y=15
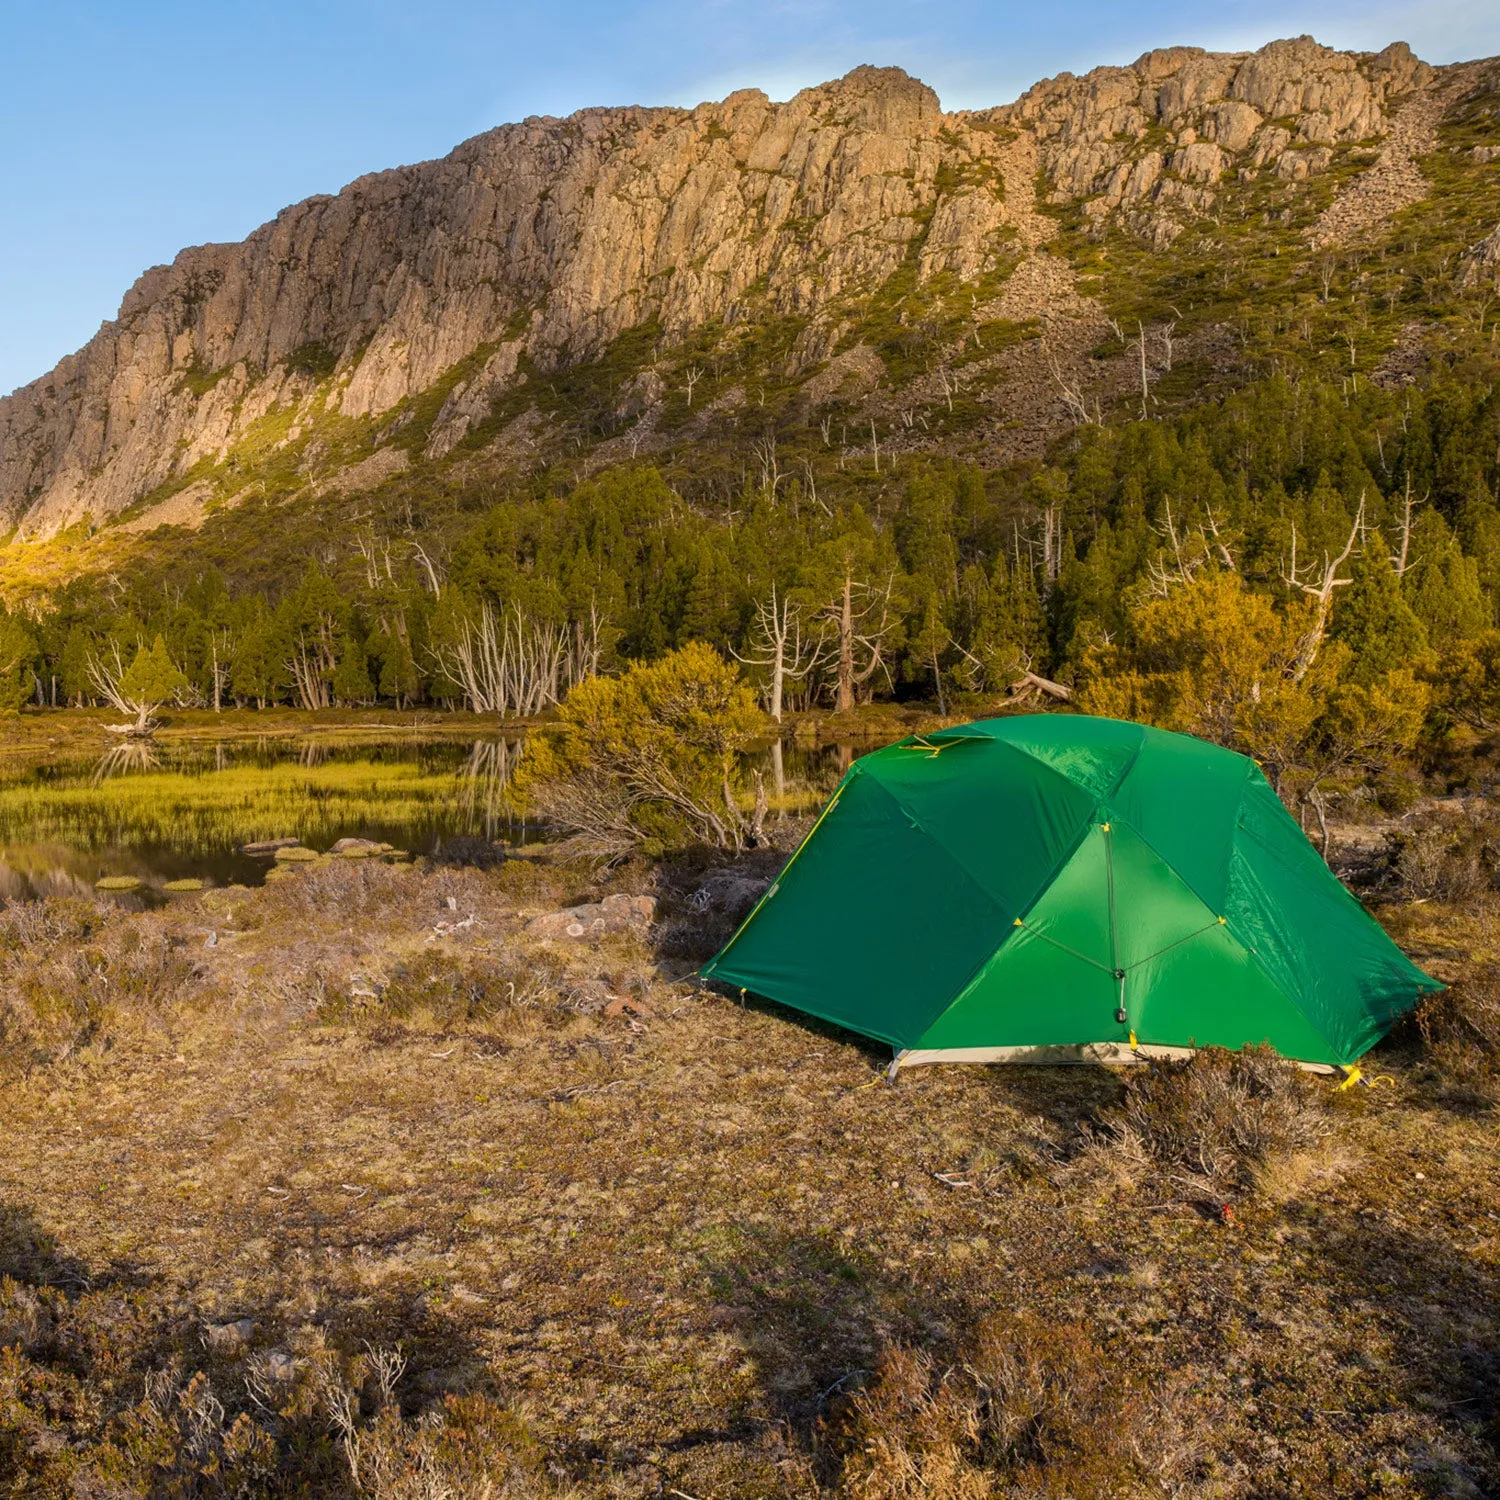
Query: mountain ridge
x=360, y=333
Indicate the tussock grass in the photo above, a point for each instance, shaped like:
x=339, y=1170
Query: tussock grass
x=1033, y=1407
x=1461, y=1031
x=1218, y=1121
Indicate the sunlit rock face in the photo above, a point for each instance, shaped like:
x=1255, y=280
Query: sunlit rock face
x=535, y=245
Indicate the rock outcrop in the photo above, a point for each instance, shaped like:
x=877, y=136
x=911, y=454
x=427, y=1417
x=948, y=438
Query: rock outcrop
x=1154, y=138
x=533, y=246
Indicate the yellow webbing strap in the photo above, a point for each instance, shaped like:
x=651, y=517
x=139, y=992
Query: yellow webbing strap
x=918, y=743
x=1357, y=1076
x=1135, y=1046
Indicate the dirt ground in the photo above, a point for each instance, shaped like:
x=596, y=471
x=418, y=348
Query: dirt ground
x=603, y=1232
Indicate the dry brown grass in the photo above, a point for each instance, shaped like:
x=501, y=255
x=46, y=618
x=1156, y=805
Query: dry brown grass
x=1032, y=1408
x=696, y=1246
x=1219, y=1121
x=1460, y=1028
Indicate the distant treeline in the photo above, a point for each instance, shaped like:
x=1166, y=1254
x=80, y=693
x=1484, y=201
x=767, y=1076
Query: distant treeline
x=940, y=577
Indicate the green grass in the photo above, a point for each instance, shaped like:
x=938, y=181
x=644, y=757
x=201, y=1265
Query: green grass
x=216, y=810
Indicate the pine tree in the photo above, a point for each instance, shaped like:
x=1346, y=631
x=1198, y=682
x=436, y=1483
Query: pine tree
x=351, y=677
x=399, y=679
x=1445, y=594
x=257, y=672
x=149, y=681
x=17, y=656
x=73, y=667
x=1373, y=619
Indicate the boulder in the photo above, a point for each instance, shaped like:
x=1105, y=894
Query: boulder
x=595, y=919
x=728, y=893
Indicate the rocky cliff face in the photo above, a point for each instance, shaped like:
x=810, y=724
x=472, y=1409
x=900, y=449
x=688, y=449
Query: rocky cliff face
x=533, y=246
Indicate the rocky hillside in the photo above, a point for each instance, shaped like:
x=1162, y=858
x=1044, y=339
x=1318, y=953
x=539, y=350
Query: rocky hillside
x=856, y=253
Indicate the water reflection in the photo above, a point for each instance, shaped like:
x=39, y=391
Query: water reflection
x=127, y=756
x=484, y=785
x=164, y=813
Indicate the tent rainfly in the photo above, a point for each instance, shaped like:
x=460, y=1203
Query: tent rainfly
x=1053, y=887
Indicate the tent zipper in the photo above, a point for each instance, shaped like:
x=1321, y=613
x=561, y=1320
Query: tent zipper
x=1114, y=938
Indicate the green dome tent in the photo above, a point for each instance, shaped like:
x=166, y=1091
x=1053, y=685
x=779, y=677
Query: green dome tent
x=1055, y=887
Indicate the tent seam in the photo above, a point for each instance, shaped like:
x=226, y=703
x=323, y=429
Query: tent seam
x=980, y=969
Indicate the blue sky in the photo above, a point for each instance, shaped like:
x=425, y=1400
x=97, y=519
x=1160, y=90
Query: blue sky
x=136, y=127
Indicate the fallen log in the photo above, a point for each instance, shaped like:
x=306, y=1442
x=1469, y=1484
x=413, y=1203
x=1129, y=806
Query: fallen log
x=1029, y=684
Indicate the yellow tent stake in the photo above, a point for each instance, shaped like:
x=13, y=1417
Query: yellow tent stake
x=1351, y=1077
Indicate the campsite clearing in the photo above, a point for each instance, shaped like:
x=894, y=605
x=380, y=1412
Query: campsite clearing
x=676, y=1240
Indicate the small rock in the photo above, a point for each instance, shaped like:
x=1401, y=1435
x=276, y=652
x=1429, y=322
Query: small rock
x=280, y=1365
x=268, y=846
x=614, y=914
x=729, y=893
x=623, y=1005
x=229, y=1336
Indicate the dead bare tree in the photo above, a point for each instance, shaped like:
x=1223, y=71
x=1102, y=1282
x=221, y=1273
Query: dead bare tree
x=810, y=480
x=778, y=646
x=1084, y=411
x=311, y=666
x=219, y=654
x=376, y=554
x=1051, y=544
x=105, y=669
x=764, y=449
x=1140, y=342
x=1164, y=333
x=434, y=578
x=1219, y=544
x=1186, y=554
x=690, y=377
x=861, y=616
x=1319, y=587
x=507, y=663
x=1030, y=685
x=1402, y=559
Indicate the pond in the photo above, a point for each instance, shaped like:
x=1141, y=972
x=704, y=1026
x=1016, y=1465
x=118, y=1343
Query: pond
x=159, y=813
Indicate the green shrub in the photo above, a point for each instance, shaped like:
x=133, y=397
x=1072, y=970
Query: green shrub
x=650, y=758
